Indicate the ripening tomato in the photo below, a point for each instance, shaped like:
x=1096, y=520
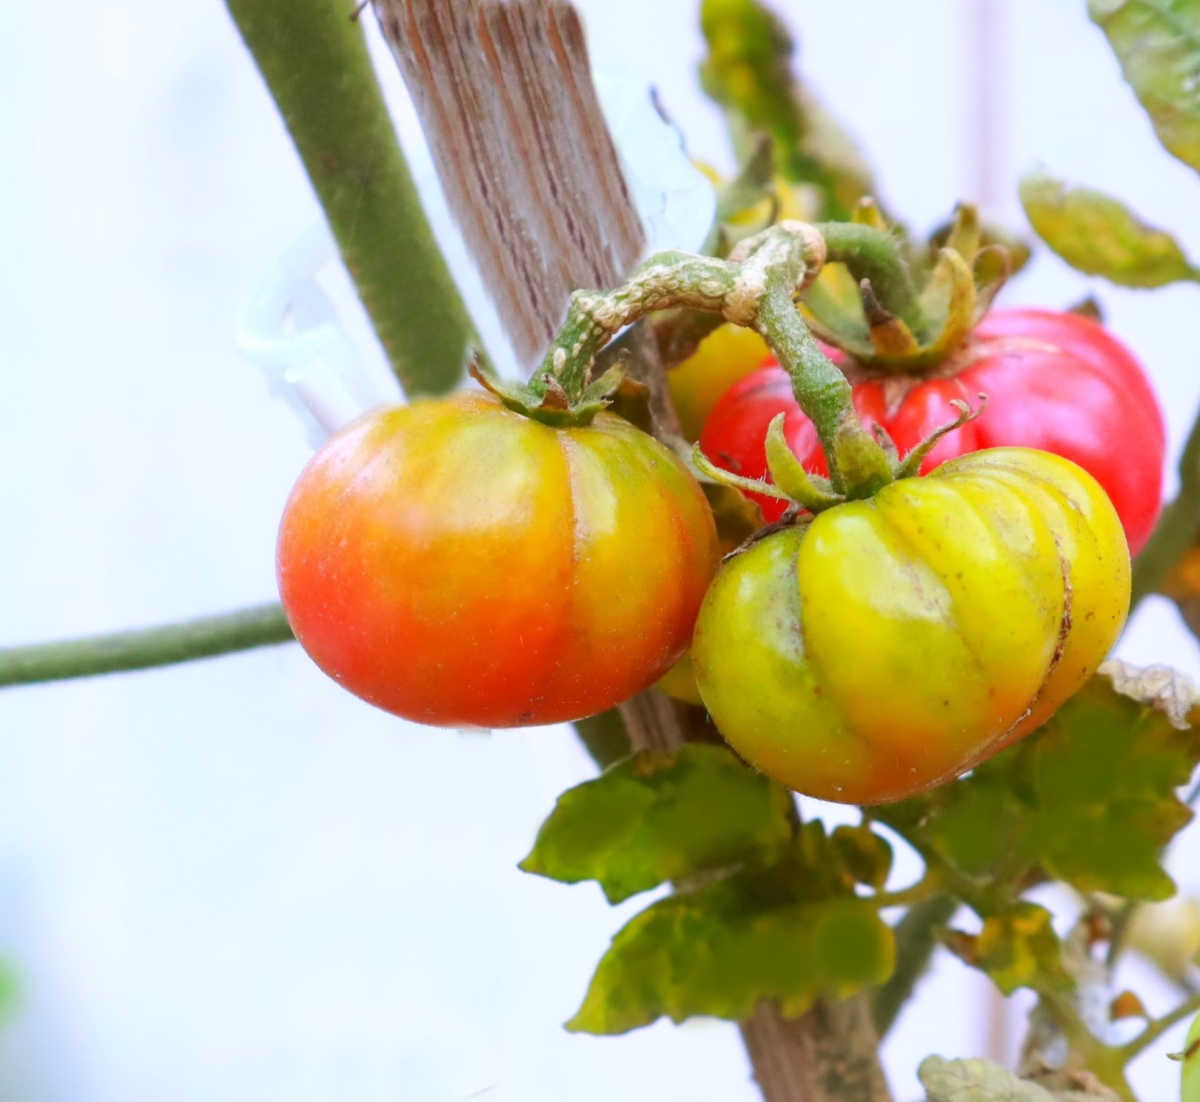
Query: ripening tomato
x=897, y=641
x=1058, y=382
x=729, y=353
x=457, y=563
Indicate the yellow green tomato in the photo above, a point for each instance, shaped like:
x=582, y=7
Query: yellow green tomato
x=727, y=354
x=895, y=642
x=1191, y=1064
x=679, y=682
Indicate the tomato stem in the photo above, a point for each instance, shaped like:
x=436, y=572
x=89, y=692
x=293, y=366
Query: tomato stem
x=315, y=63
x=857, y=464
x=874, y=254
x=120, y=651
x=754, y=287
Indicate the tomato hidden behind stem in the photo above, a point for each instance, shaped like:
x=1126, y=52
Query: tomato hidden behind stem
x=1057, y=382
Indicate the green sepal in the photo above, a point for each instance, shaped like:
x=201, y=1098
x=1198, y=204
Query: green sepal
x=707, y=470
x=1099, y=235
x=811, y=491
x=542, y=399
x=657, y=817
x=958, y=288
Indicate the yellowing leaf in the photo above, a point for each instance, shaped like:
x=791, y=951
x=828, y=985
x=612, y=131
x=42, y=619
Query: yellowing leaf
x=1014, y=948
x=657, y=817
x=721, y=950
x=1158, y=45
x=1100, y=236
x=1089, y=799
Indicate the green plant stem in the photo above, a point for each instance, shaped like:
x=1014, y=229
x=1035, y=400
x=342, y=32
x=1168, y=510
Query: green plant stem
x=857, y=464
x=261, y=626
x=1177, y=528
x=1158, y=1027
x=928, y=887
x=875, y=254
x=314, y=59
x=916, y=939
x=755, y=288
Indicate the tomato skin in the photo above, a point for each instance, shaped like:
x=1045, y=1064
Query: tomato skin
x=457, y=563
x=895, y=642
x=729, y=353
x=1057, y=382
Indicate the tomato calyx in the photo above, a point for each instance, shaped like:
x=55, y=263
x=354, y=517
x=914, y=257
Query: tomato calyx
x=911, y=337
x=544, y=398
x=807, y=493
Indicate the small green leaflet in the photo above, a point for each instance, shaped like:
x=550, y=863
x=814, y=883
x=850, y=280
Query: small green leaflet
x=1158, y=45
x=1099, y=235
x=722, y=949
x=1089, y=799
x=657, y=817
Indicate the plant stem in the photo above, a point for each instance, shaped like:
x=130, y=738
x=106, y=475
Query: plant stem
x=314, y=59
x=754, y=288
x=1177, y=528
x=874, y=254
x=604, y=737
x=857, y=464
x=141, y=649
x=916, y=939
x=828, y=1054
x=1158, y=1027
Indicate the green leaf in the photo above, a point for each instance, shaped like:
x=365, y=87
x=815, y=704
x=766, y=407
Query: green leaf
x=656, y=817
x=1101, y=236
x=748, y=72
x=1158, y=45
x=1089, y=799
x=1015, y=948
x=722, y=949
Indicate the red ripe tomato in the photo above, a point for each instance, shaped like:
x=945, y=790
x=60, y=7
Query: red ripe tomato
x=457, y=563
x=1058, y=382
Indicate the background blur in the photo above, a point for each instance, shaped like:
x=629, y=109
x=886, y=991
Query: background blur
x=231, y=880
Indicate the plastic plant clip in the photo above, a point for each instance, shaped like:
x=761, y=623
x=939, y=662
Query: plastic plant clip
x=290, y=327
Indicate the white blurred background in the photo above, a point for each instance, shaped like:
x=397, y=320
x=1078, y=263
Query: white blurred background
x=231, y=880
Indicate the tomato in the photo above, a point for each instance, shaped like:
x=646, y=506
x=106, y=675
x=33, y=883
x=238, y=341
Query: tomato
x=727, y=354
x=457, y=563
x=1190, y=1073
x=1058, y=382
x=679, y=682
x=897, y=641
